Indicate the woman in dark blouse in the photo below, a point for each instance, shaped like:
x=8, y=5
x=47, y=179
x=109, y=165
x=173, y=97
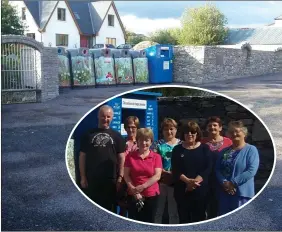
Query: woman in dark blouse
x=191, y=165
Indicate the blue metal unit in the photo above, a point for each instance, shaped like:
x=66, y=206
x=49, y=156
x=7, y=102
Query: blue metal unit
x=140, y=103
x=160, y=63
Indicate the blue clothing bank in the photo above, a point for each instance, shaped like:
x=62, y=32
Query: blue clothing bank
x=141, y=104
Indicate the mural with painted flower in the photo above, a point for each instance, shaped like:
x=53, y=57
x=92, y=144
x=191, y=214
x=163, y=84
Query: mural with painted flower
x=64, y=71
x=105, y=74
x=123, y=67
x=140, y=66
x=83, y=73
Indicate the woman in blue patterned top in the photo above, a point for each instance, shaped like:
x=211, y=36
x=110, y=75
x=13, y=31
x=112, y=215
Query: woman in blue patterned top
x=167, y=210
x=235, y=170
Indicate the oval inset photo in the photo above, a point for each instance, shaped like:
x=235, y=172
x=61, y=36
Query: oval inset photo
x=170, y=155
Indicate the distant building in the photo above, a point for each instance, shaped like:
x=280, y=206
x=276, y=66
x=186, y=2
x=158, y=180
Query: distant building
x=71, y=24
x=277, y=22
x=266, y=38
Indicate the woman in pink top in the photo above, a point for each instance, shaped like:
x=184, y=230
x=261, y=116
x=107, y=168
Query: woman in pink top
x=131, y=126
x=142, y=171
x=216, y=143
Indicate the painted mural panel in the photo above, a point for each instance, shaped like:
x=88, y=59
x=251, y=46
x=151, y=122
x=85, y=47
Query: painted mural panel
x=105, y=74
x=124, y=70
x=83, y=73
x=141, y=70
x=64, y=71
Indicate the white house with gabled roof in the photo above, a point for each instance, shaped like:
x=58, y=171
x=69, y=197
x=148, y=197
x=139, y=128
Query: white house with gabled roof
x=71, y=24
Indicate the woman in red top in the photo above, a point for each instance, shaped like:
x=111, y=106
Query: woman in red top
x=216, y=143
x=142, y=171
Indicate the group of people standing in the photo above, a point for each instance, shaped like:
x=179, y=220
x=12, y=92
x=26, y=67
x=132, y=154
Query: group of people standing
x=171, y=180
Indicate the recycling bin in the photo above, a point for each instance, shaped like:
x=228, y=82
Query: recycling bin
x=64, y=68
x=160, y=63
x=82, y=67
x=104, y=66
x=140, y=67
x=123, y=67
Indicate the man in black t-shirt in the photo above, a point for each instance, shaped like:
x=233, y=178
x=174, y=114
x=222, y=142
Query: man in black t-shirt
x=101, y=154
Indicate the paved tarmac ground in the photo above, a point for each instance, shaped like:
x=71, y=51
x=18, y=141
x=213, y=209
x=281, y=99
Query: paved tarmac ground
x=37, y=193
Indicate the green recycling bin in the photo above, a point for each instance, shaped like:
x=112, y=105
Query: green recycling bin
x=123, y=67
x=82, y=67
x=104, y=66
x=64, y=68
x=140, y=67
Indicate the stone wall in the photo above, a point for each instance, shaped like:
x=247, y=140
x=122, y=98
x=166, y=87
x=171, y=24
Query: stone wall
x=258, y=47
x=50, y=72
x=203, y=64
x=47, y=67
x=200, y=108
x=188, y=64
x=278, y=61
x=224, y=63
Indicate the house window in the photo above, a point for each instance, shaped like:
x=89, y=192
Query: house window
x=111, y=41
x=61, y=14
x=62, y=40
x=31, y=35
x=23, y=13
x=111, y=20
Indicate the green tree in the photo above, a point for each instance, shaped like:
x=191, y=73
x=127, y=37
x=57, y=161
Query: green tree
x=10, y=22
x=203, y=25
x=165, y=36
x=135, y=39
x=127, y=34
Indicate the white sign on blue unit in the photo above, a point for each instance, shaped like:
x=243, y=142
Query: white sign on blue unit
x=134, y=103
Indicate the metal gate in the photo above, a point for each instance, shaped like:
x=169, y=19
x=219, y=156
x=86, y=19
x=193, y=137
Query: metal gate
x=20, y=73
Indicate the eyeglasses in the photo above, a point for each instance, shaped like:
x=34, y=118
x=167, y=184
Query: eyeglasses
x=132, y=127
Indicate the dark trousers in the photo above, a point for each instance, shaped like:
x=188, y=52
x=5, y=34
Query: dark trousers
x=103, y=193
x=147, y=213
x=191, y=209
x=212, y=204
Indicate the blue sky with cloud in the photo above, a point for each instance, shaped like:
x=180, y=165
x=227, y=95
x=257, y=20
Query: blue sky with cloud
x=146, y=16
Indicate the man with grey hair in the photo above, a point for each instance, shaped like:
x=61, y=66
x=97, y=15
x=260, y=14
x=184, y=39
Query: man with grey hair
x=101, y=154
